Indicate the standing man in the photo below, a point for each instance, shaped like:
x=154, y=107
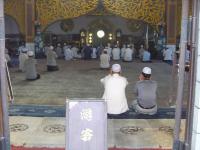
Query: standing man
x=59, y=51
x=128, y=54
x=87, y=50
x=51, y=60
x=114, y=92
x=123, y=51
x=30, y=68
x=22, y=58
x=116, y=53
x=145, y=90
x=104, y=60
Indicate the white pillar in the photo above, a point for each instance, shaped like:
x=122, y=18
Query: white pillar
x=196, y=117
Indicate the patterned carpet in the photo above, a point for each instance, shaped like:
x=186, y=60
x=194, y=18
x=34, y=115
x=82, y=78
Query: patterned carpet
x=24, y=148
x=59, y=111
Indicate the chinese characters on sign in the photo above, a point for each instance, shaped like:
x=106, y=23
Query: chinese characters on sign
x=86, y=134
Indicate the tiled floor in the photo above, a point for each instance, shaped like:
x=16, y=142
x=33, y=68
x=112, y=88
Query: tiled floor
x=50, y=132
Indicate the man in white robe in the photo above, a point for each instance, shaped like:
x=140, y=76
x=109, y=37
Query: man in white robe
x=128, y=54
x=141, y=50
x=59, y=51
x=104, y=60
x=22, y=58
x=116, y=53
x=123, y=50
x=94, y=53
x=68, y=53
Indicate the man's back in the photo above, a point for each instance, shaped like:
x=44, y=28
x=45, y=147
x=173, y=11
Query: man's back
x=30, y=68
x=51, y=58
x=146, y=93
x=146, y=56
x=116, y=53
x=114, y=93
x=104, y=61
x=128, y=55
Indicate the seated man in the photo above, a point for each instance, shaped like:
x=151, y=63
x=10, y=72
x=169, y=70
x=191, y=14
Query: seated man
x=51, y=60
x=128, y=54
x=168, y=55
x=146, y=56
x=30, y=69
x=114, y=92
x=145, y=89
x=104, y=60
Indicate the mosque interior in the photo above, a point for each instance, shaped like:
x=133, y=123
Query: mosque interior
x=76, y=22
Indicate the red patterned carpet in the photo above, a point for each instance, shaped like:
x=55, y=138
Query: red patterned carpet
x=25, y=148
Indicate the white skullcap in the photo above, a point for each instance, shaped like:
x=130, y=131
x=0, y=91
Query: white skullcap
x=51, y=47
x=58, y=44
x=146, y=70
x=116, y=68
x=142, y=46
x=30, y=53
x=128, y=45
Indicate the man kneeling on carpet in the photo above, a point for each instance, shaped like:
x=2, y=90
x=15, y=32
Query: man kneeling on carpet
x=145, y=90
x=30, y=68
x=114, y=92
x=51, y=59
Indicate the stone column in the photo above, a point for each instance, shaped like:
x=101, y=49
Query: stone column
x=196, y=111
x=171, y=21
x=30, y=23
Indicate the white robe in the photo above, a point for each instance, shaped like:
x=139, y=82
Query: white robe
x=68, y=54
x=75, y=52
x=122, y=52
x=128, y=54
x=109, y=51
x=94, y=53
x=104, y=61
x=22, y=58
x=116, y=53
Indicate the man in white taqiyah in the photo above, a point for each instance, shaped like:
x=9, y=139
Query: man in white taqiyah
x=128, y=54
x=51, y=59
x=30, y=67
x=116, y=53
x=114, y=91
x=145, y=90
x=104, y=60
x=22, y=58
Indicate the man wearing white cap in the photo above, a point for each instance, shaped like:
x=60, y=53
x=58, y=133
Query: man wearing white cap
x=128, y=54
x=22, y=58
x=116, y=53
x=30, y=68
x=104, y=60
x=51, y=60
x=114, y=91
x=59, y=51
x=145, y=90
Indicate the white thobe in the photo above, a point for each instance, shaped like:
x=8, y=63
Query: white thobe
x=51, y=58
x=75, y=52
x=114, y=93
x=104, y=61
x=94, y=53
x=116, y=53
x=68, y=54
x=168, y=54
x=122, y=52
x=128, y=54
x=22, y=58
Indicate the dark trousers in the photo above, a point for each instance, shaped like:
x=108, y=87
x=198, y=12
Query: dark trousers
x=118, y=116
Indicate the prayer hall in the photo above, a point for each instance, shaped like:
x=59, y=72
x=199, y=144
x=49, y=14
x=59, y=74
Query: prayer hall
x=99, y=75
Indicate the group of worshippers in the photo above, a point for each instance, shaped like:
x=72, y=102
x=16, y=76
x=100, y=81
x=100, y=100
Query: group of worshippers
x=27, y=62
x=115, y=96
x=127, y=53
